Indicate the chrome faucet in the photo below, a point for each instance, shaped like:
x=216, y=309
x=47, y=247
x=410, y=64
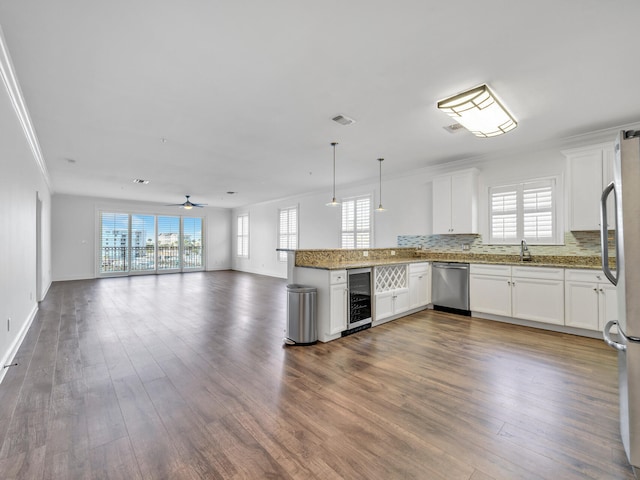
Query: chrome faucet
x=525, y=254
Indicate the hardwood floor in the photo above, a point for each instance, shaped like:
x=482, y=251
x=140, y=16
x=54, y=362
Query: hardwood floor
x=185, y=377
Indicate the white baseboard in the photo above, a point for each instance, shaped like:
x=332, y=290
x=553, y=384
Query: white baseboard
x=8, y=357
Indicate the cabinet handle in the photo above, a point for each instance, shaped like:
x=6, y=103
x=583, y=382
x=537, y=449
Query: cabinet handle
x=513, y=283
x=601, y=291
x=508, y=282
x=595, y=290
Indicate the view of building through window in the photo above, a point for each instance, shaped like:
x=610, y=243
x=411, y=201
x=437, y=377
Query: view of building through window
x=137, y=243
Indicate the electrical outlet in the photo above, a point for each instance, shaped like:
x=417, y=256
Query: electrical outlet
x=393, y=252
x=365, y=253
x=466, y=246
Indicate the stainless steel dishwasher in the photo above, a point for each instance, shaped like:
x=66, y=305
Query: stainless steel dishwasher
x=450, y=286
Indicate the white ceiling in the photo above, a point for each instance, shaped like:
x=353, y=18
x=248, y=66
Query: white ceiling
x=244, y=91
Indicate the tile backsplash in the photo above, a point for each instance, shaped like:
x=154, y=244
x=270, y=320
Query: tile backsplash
x=576, y=244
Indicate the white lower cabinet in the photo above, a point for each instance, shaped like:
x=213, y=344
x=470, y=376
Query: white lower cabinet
x=590, y=299
x=391, y=291
x=541, y=300
x=419, y=285
x=528, y=293
x=331, y=299
x=338, y=298
x=391, y=303
x=490, y=289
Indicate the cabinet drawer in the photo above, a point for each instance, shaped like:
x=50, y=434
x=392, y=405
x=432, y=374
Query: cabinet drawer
x=592, y=276
x=482, y=269
x=337, y=276
x=538, y=272
x=418, y=267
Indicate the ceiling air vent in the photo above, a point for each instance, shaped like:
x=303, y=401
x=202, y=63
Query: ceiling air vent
x=342, y=120
x=454, y=128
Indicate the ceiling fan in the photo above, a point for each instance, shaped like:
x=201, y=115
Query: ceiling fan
x=188, y=205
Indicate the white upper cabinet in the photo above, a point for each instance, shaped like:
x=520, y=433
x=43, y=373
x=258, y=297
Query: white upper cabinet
x=455, y=203
x=590, y=170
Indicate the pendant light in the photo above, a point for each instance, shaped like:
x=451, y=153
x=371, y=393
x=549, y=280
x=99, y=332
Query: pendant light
x=380, y=207
x=334, y=202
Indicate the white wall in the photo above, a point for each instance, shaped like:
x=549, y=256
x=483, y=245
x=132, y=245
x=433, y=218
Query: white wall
x=21, y=183
x=407, y=198
x=75, y=228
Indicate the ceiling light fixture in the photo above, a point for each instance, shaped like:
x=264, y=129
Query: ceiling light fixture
x=380, y=207
x=334, y=202
x=141, y=181
x=479, y=111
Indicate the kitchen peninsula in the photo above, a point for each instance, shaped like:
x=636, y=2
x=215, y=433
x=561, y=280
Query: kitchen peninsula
x=545, y=293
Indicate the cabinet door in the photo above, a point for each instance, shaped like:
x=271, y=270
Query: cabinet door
x=442, y=205
x=608, y=304
x=538, y=299
x=586, y=187
x=581, y=305
x=384, y=305
x=463, y=203
x=418, y=290
x=490, y=294
x=338, y=316
x=400, y=300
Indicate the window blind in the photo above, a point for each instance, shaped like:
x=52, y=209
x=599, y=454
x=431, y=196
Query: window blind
x=287, y=230
x=243, y=236
x=114, y=242
x=356, y=222
x=523, y=211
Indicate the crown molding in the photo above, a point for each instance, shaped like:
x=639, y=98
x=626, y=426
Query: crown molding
x=12, y=86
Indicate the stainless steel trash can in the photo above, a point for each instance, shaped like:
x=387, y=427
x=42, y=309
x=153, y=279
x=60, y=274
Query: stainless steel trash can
x=301, y=315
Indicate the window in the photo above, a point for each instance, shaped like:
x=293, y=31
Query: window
x=287, y=230
x=114, y=240
x=523, y=211
x=356, y=222
x=143, y=243
x=138, y=243
x=168, y=243
x=243, y=236
x=192, y=242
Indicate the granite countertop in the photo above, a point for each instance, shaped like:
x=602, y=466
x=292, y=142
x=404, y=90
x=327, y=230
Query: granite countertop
x=578, y=262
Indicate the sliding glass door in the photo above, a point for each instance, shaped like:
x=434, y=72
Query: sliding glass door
x=143, y=243
x=169, y=243
x=137, y=243
x=192, y=243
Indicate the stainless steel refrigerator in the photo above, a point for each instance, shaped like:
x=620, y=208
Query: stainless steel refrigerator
x=625, y=192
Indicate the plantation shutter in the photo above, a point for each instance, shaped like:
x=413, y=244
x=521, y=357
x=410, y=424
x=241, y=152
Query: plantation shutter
x=356, y=222
x=363, y=222
x=348, y=223
x=537, y=205
x=287, y=231
x=242, y=245
x=523, y=211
